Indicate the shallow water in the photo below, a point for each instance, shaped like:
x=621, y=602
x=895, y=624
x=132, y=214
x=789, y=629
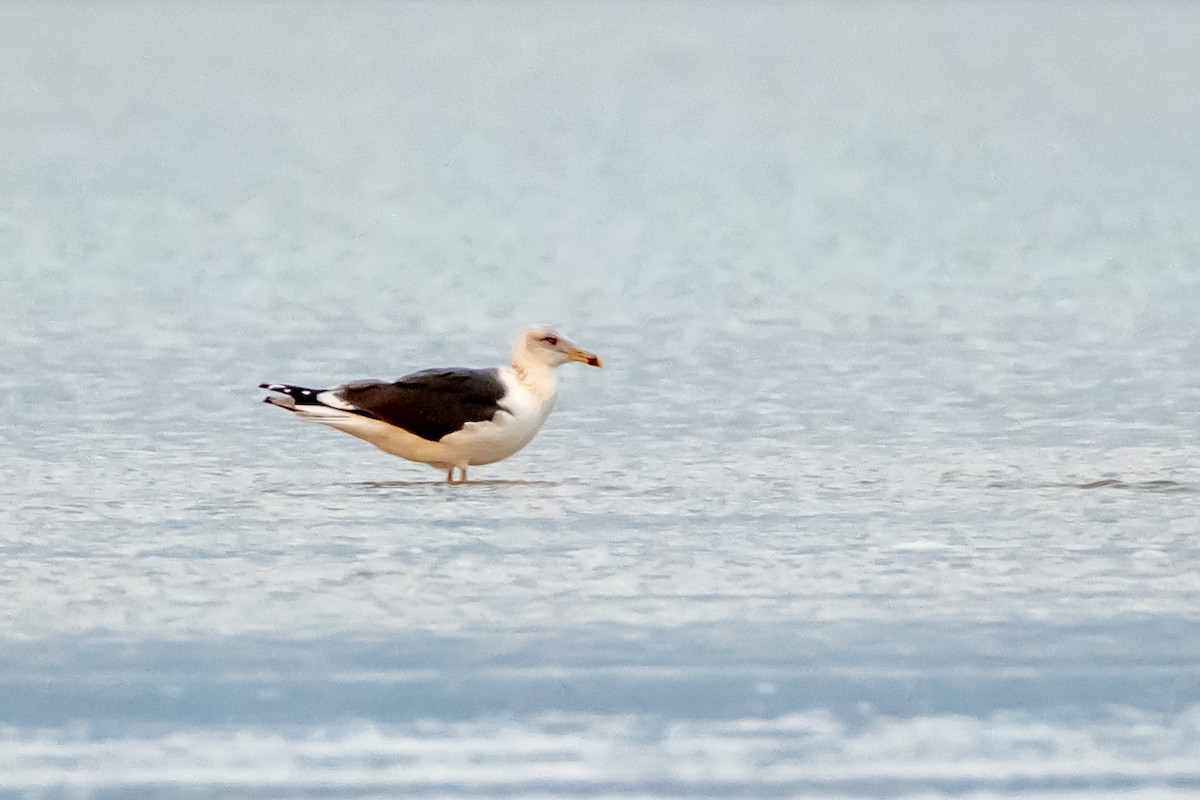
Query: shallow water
x=888, y=487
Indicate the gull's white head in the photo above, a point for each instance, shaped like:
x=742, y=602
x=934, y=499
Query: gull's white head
x=548, y=347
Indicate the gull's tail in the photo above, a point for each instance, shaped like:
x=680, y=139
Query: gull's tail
x=317, y=405
x=294, y=397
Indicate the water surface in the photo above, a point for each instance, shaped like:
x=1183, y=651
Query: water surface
x=888, y=487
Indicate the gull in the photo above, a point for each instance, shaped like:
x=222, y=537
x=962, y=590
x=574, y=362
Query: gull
x=449, y=418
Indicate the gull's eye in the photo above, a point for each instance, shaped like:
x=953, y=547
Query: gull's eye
x=551, y=340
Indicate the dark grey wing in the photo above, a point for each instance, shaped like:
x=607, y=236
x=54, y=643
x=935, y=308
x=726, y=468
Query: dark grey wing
x=431, y=403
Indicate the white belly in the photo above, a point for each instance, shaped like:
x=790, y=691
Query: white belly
x=487, y=442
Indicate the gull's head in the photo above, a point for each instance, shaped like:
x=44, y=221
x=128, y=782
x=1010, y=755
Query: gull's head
x=549, y=347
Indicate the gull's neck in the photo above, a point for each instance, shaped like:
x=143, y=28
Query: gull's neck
x=536, y=376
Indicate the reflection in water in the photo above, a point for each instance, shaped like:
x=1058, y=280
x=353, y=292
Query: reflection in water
x=465, y=486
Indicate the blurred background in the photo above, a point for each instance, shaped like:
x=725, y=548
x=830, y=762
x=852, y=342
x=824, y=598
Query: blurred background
x=888, y=486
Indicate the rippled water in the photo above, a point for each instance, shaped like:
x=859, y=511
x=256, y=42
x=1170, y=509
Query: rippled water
x=889, y=486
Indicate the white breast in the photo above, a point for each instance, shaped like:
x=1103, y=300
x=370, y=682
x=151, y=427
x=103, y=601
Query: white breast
x=527, y=403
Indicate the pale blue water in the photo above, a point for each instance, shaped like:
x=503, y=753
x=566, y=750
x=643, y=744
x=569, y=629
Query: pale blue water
x=889, y=487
